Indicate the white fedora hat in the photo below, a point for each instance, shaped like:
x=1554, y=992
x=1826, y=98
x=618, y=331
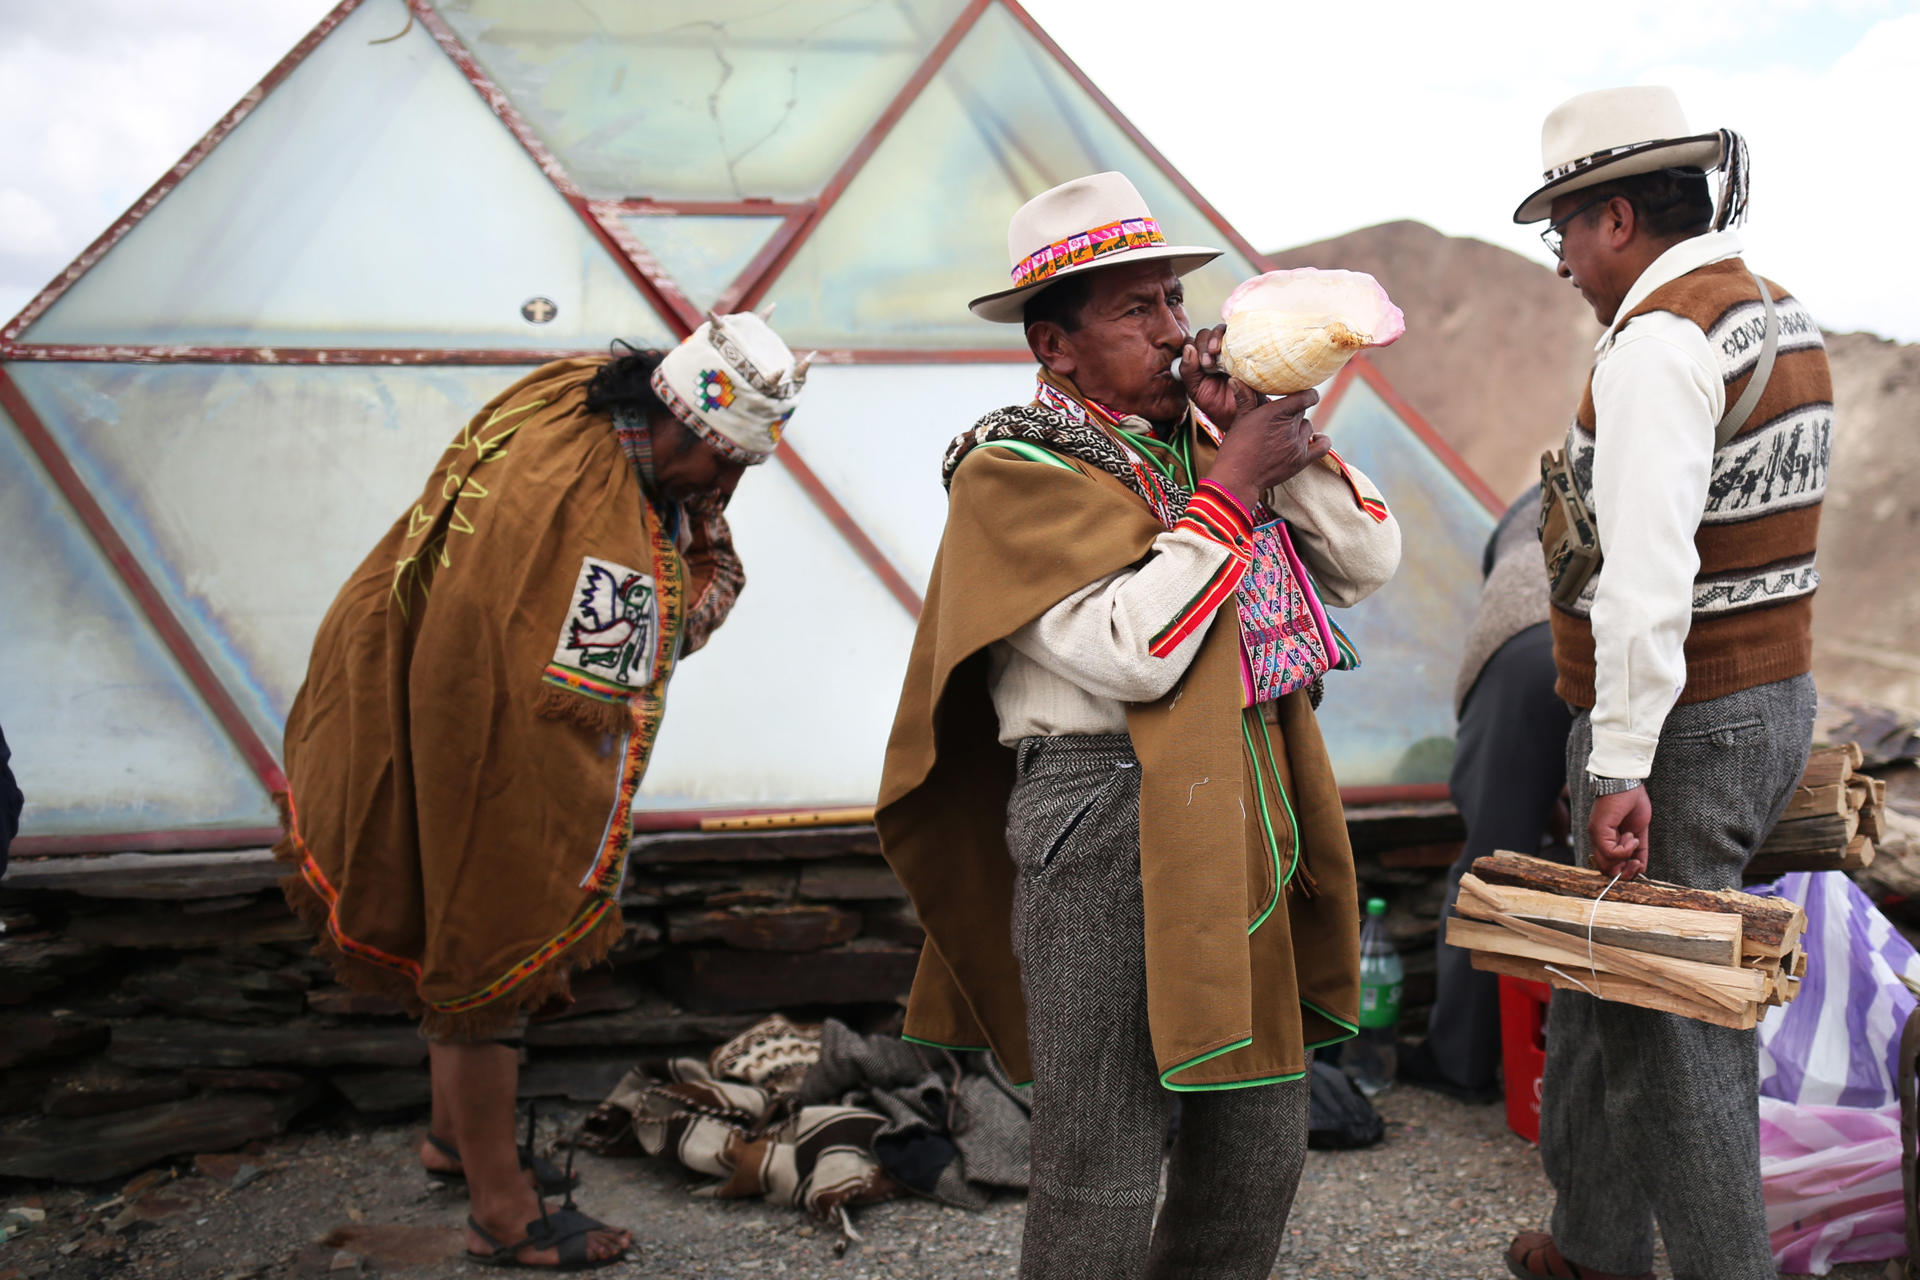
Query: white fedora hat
x=1079, y=226
x=1616, y=133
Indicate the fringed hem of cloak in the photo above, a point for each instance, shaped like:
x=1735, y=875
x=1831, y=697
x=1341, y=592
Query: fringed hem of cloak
x=557, y=703
x=484, y=1022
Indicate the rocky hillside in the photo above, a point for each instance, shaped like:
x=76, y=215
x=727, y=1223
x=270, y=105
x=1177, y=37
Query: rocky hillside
x=1497, y=347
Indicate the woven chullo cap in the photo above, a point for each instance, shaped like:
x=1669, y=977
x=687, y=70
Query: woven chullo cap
x=734, y=383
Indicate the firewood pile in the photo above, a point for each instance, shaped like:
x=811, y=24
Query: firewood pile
x=1717, y=956
x=1836, y=816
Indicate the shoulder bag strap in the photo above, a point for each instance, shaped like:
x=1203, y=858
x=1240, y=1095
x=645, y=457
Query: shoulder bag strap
x=1743, y=408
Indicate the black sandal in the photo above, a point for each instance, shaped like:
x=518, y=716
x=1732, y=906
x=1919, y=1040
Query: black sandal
x=564, y=1230
x=548, y=1178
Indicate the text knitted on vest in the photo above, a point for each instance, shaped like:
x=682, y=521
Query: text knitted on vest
x=1753, y=594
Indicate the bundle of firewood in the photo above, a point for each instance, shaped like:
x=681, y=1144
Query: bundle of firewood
x=1830, y=824
x=1719, y=956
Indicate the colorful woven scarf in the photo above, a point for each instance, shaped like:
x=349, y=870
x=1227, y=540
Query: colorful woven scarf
x=1287, y=637
x=715, y=572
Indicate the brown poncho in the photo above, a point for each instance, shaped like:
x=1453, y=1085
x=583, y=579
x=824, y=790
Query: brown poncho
x=477, y=715
x=1252, y=945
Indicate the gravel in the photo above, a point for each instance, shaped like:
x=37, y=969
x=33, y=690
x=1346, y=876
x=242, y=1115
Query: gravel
x=1439, y=1198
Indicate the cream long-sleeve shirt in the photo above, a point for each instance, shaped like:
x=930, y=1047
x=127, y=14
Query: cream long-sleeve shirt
x=1657, y=396
x=1074, y=668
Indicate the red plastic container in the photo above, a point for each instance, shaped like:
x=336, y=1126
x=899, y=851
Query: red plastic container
x=1523, y=1050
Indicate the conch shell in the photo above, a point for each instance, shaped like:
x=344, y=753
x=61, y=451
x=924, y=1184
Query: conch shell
x=1290, y=330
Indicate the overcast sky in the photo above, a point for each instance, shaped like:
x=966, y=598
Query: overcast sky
x=1324, y=117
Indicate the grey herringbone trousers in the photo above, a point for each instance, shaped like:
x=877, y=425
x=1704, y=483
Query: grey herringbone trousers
x=1100, y=1114
x=1649, y=1116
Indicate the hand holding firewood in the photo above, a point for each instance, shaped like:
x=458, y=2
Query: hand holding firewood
x=1617, y=830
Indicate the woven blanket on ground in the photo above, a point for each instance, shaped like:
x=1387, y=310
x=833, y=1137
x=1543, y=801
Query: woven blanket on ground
x=956, y=1127
x=755, y=1139
x=824, y=1119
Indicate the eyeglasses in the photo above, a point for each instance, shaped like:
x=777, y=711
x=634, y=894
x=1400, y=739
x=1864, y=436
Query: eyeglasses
x=1552, y=236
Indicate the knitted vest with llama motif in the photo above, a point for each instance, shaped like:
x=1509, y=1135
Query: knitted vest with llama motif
x=1753, y=593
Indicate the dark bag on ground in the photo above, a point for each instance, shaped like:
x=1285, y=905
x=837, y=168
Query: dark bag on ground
x=1339, y=1116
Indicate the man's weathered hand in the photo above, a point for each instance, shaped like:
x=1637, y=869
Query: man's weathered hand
x=1270, y=443
x=1207, y=383
x=1617, y=829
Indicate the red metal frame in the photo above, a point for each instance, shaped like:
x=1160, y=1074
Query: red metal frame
x=496, y=99
x=602, y=219
x=414, y=356
x=863, y=546
x=171, y=179
x=289, y=355
x=612, y=215
x=188, y=840
x=1139, y=139
x=169, y=628
x=417, y=356
x=857, y=158
x=915, y=355
x=654, y=284
x=752, y=206
x=761, y=262
x=1363, y=368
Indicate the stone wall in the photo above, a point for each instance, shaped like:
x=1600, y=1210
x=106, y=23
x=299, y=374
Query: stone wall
x=156, y=1006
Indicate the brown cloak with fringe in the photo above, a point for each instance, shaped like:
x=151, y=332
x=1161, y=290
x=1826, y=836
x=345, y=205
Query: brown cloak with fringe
x=460, y=778
x=1227, y=1006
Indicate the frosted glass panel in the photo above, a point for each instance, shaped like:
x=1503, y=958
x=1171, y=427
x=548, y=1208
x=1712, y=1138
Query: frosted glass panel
x=107, y=735
x=372, y=200
x=704, y=254
x=791, y=702
x=250, y=493
x=701, y=98
x=893, y=266
x=875, y=435
x=1392, y=720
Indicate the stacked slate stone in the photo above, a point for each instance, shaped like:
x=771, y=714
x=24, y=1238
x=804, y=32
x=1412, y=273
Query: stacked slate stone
x=164, y=1006
x=168, y=1005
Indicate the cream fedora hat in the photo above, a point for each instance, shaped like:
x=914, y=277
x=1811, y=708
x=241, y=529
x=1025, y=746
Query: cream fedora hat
x=1092, y=222
x=1616, y=133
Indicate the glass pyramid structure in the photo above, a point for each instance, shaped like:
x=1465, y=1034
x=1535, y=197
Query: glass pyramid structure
x=209, y=417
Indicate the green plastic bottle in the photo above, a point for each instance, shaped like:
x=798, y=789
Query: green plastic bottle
x=1371, y=1058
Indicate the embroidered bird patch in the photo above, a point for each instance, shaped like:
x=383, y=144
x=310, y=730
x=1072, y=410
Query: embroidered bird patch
x=612, y=630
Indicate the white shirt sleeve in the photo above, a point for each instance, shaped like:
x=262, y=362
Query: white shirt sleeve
x=1350, y=551
x=1098, y=637
x=1657, y=394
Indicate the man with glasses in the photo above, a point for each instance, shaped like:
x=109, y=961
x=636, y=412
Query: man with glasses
x=1700, y=452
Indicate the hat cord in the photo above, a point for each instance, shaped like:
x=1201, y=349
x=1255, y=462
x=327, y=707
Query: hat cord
x=1734, y=176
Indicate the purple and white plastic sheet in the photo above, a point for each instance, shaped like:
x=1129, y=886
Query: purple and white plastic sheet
x=1829, y=1101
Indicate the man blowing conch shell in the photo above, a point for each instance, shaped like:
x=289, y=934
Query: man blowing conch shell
x=482, y=700
x=1106, y=791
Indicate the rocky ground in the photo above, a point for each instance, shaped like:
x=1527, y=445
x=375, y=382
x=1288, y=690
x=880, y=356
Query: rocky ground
x=1439, y=1198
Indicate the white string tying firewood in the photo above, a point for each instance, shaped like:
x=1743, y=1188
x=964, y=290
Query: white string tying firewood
x=1592, y=967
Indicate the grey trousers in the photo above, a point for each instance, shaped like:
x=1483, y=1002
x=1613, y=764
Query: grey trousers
x=1651, y=1117
x=1100, y=1114
x=1509, y=763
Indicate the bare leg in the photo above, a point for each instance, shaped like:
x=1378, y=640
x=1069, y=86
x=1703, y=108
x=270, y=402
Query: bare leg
x=441, y=1125
x=480, y=1082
